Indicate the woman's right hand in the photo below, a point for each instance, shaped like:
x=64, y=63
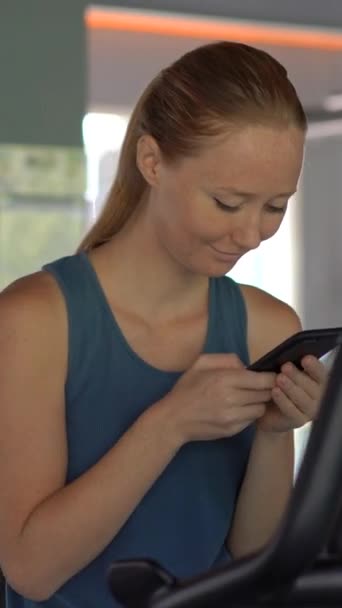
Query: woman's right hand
x=217, y=397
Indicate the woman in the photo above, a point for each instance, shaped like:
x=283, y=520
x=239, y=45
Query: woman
x=130, y=426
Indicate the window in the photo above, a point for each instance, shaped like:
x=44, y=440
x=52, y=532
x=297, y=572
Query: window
x=42, y=209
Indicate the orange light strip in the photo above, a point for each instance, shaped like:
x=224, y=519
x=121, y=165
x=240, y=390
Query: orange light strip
x=189, y=27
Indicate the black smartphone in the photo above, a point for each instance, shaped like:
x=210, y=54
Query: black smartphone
x=315, y=342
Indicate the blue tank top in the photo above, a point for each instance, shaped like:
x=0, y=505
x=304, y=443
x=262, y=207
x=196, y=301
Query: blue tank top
x=183, y=520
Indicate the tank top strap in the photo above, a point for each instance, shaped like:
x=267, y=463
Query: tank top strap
x=84, y=314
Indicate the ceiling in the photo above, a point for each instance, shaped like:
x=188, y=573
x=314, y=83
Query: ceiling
x=304, y=12
x=120, y=64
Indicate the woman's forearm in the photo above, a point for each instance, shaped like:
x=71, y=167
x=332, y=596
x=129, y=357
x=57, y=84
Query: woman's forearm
x=264, y=493
x=69, y=529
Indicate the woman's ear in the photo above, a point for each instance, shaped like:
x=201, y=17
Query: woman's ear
x=148, y=159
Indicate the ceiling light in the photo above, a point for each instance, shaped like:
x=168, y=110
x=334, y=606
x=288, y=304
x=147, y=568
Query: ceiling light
x=333, y=102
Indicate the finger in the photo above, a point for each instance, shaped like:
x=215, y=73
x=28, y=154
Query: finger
x=255, y=380
x=298, y=396
x=315, y=369
x=287, y=408
x=311, y=385
x=246, y=397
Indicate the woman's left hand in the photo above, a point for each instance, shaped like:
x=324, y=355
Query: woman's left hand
x=296, y=396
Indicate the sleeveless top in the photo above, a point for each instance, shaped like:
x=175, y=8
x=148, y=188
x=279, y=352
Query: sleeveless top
x=183, y=520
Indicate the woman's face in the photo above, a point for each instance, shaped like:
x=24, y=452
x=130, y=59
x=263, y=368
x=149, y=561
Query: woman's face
x=211, y=209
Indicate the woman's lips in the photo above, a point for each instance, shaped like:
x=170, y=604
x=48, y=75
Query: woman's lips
x=227, y=255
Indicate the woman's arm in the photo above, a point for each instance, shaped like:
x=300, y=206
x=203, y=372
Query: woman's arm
x=268, y=480
x=49, y=531
x=264, y=493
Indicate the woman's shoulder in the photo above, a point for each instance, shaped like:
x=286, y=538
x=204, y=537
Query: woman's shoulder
x=39, y=289
x=270, y=320
x=257, y=299
x=33, y=303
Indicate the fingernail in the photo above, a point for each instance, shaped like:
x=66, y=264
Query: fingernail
x=283, y=380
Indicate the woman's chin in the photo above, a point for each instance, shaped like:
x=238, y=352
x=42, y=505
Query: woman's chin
x=219, y=270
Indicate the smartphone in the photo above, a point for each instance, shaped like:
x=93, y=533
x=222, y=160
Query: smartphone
x=317, y=342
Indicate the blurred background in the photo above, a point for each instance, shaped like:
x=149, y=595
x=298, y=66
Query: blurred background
x=70, y=74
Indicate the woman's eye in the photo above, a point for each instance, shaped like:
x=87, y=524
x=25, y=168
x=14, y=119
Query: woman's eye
x=276, y=209
x=225, y=207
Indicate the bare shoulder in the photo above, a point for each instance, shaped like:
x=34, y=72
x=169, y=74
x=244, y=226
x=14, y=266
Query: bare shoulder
x=270, y=320
x=38, y=284
x=33, y=308
x=32, y=294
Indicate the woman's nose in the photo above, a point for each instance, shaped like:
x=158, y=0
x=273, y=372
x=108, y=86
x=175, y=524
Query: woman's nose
x=248, y=236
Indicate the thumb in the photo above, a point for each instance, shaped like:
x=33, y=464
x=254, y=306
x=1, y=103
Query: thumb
x=218, y=361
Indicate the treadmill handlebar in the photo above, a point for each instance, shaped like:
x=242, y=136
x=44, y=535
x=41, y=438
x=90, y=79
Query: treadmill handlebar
x=304, y=531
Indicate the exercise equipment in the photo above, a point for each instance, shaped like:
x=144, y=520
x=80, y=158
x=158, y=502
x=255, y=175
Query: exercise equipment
x=301, y=566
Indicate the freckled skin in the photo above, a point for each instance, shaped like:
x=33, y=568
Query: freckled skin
x=264, y=162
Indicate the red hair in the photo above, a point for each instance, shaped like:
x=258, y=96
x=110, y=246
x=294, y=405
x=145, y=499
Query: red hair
x=206, y=91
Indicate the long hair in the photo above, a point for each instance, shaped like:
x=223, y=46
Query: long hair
x=198, y=96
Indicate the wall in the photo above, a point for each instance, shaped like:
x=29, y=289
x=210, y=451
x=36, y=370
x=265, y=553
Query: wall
x=42, y=103
x=320, y=219
x=42, y=72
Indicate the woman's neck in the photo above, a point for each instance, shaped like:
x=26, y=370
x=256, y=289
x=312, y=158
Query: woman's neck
x=142, y=276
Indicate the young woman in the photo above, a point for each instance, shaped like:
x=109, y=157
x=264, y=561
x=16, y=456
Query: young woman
x=130, y=426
